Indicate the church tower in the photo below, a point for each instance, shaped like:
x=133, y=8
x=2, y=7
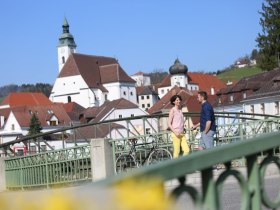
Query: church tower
x=66, y=45
x=178, y=73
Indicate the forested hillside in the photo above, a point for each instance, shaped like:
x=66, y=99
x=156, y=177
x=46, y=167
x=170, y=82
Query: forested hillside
x=38, y=87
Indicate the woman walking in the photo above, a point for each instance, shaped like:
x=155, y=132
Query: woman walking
x=176, y=125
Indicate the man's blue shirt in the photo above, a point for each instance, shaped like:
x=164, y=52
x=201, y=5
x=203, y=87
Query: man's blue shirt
x=207, y=114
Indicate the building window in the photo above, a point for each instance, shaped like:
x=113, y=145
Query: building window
x=132, y=115
x=148, y=105
x=69, y=99
x=220, y=100
x=244, y=95
x=231, y=98
x=131, y=93
x=276, y=105
x=142, y=97
x=120, y=116
x=262, y=108
x=143, y=105
x=124, y=93
x=162, y=91
x=106, y=97
x=63, y=59
x=53, y=123
x=148, y=97
x=13, y=127
x=148, y=130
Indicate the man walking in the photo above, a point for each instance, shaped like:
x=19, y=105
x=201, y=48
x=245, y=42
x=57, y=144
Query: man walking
x=207, y=122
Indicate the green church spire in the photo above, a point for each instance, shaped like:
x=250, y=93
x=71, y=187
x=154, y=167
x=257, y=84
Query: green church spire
x=66, y=38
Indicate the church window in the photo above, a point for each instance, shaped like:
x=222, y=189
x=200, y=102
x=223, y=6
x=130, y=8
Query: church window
x=131, y=93
x=63, y=59
x=69, y=99
x=120, y=116
x=124, y=92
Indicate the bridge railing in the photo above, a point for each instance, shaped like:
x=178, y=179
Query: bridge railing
x=48, y=163
x=209, y=196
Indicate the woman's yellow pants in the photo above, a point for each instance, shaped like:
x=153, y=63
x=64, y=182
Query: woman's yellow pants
x=178, y=142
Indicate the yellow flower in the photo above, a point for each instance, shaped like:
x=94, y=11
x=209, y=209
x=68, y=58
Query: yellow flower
x=141, y=194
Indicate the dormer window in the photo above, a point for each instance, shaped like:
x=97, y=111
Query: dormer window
x=231, y=98
x=244, y=95
x=220, y=100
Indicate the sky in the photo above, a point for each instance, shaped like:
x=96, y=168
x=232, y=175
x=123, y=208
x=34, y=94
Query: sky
x=146, y=35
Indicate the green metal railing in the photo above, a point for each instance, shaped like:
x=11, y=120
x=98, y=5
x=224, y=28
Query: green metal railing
x=252, y=185
x=59, y=167
x=70, y=165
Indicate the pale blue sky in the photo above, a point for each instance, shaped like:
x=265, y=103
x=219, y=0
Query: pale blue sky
x=206, y=35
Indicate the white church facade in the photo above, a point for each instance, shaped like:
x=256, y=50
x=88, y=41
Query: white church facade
x=87, y=79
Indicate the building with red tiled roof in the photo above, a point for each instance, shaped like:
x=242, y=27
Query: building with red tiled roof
x=141, y=79
x=24, y=98
x=51, y=117
x=73, y=110
x=87, y=79
x=180, y=76
x=118, y=109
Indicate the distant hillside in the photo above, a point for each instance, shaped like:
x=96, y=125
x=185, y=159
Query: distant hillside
x=38, y=87
x=236, y=74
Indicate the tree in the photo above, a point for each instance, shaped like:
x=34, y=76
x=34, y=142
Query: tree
x=269, y=40
x=34, y=125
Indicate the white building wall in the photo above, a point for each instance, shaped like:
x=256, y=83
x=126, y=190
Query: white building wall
x=121, y=90
x=179, y=80
x=76, y=88
x=163, y=90
x=137, y=124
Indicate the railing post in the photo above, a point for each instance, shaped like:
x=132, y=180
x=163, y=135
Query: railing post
x=209, y=195
x=254, y=182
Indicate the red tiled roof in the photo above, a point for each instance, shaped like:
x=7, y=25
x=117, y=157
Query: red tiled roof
x=73, y=110
x=204, y=81
x=164, y=102
x=23, y=114
x=98, y=113
x=26, y=98
x=95, y=70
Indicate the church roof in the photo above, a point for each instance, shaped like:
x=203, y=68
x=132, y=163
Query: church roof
x=95, y=70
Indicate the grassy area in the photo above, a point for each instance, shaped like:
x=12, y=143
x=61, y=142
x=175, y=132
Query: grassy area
x=237, y=74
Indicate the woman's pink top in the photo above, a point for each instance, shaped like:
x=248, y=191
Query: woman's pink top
x=178, y=120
